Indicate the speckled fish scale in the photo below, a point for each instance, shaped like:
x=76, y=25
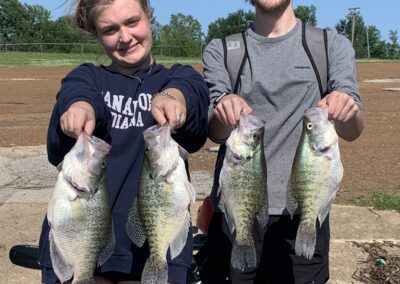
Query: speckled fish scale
x=160, y=212
x=316, y=175
x=243, y=188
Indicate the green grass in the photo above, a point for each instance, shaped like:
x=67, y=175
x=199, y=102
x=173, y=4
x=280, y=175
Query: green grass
x=381, y=201
x=37, y=59
x=15, y=59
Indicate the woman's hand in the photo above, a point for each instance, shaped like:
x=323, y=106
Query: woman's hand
x=79, y=117
x=169, y=106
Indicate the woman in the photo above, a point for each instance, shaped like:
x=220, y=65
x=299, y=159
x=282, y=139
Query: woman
x=117, y=103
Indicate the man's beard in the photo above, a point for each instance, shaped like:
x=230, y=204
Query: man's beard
x=269, y=8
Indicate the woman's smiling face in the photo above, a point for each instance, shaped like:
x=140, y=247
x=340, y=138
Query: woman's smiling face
x=124, y=30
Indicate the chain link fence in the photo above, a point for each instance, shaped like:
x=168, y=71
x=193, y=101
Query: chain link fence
x=192, y=51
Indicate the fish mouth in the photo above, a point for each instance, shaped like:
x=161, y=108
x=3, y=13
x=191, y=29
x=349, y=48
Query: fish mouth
x=240, y=158
x=162, y=176
x=325, y=149
x=80, y=191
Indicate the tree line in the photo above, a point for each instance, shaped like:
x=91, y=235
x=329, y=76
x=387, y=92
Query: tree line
x=27, y=25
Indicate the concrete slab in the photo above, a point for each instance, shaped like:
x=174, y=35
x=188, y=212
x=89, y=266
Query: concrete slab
x=391, y=89
x=362, y=223
x=389, y=80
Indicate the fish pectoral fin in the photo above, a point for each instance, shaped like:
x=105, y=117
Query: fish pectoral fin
x=50, y=211
x=63, y=270
x=109, y=246
x=182, y=152
x=134, y=227
x=192, y=192
x=180, y=239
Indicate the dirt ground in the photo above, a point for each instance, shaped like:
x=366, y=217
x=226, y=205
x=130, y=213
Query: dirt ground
x=371, y=163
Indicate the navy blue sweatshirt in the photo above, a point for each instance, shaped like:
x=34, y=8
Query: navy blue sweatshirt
x=122, y=105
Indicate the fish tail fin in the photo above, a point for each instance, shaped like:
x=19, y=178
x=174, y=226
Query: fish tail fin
x=155, y=272
x=243, y=256
x=305, y=240
x=84, y=281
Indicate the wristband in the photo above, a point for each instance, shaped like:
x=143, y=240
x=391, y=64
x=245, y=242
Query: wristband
x=164, y=94
x=220, y=98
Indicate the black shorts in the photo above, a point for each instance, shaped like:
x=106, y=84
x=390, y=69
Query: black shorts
x=178, y=268
x=276, y=258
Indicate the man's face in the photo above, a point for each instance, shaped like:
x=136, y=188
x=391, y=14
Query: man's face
x=271, y=5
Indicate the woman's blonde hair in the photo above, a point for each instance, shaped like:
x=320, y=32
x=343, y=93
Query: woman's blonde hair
x=87, y=10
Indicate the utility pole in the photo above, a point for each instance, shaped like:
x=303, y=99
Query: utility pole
x=369, y=55
x=353, y=12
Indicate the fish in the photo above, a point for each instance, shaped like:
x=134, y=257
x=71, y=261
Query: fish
x=243, y=188
x=160, y=213
x=81, y=230
x=315, y=177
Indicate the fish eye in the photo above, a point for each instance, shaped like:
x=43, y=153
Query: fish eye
x=103, y=164
x=309, y=126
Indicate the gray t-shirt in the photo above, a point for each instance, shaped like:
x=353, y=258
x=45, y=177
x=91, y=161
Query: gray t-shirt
x=279, y=83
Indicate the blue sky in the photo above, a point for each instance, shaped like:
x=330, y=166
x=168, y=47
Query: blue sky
x=385, y=17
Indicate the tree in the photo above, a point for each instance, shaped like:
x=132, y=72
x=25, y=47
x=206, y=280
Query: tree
x=393, y=47
x=64, y=30
x=11, y=19
x=344, y=27
x=306, y=14
x=156, y=28
x=22, y=23
x=234, y=23
x=182, y=36
x=34, y=22
x=376, y=45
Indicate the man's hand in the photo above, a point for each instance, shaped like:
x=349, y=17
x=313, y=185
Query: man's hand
x=341, y=106
x=226, y=116
x=344, y=111
x=230, y=107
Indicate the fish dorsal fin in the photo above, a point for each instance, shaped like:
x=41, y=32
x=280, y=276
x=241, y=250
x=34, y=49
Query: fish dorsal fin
x=109, y=246
x=262, y=217
x=179, y=241
x=134, y=227
x=291, y=203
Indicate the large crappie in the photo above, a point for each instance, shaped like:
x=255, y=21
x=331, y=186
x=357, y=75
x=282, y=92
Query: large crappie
x=81, y=233
x=160, y=212
x=316, y=174
x=243, y=188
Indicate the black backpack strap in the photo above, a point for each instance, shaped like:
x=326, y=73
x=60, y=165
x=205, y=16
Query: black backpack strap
x=313, y=40
x=235, y=55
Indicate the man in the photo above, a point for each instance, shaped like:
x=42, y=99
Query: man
x=277, y=84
